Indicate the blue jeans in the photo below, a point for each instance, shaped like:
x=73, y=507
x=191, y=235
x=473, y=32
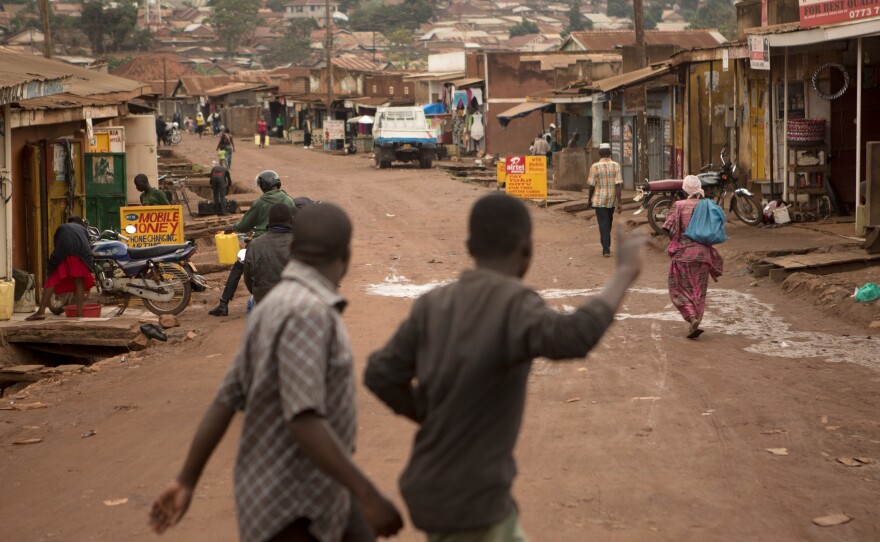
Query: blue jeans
x=604, y=217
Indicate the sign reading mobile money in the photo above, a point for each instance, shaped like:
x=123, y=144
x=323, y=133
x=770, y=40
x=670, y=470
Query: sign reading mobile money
x=155, y=225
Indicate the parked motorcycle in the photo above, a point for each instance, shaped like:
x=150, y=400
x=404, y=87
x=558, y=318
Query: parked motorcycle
x=153, y=274
x=657, y=197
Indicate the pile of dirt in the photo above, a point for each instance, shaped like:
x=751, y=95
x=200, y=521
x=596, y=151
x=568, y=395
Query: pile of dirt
x=833, y=294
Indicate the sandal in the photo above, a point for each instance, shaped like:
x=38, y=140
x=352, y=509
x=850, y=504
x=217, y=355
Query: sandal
x=35, y=318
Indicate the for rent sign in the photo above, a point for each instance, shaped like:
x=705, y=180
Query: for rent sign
x=155, y=225
x=822, y=12
x=526, y=176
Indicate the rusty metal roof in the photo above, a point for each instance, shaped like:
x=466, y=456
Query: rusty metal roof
x=607, y=40
x=18, y=71
x=238, y=86
x=357, y=64
x=64, y=101
x=630, y=78
x=155, y=67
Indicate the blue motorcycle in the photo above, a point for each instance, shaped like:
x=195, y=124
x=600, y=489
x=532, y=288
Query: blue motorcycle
x=153, y=274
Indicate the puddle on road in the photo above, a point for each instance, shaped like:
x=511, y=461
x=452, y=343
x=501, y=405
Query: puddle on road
x=728, y=312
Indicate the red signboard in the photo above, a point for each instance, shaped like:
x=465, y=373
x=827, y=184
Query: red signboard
x=516, y=165
x=822, y=12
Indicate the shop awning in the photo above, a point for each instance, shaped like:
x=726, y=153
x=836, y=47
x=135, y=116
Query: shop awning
x=521, y=110
x=631, y=78
x=822, y=34
x=466, y=82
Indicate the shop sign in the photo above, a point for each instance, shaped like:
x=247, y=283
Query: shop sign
x=759, y=52
x=334, y=129
x=526, y=176
x=634, y=99
x=822, y=12
x=155, y=225
x=501, y=173
x=107, y=140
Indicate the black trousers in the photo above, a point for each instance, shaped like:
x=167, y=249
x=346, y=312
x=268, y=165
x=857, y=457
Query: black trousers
x=232, y=281
x=356, y=530
x=604, y=217
x=219, y=190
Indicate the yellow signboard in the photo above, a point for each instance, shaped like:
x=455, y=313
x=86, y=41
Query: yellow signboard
x=526, y=176
x=501, y=174
x=155, y=225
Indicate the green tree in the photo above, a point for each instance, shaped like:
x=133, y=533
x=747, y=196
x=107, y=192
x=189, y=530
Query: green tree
x=374, y=16
x=400, y=44
x=653, y=15
x=576, y=20
x=295, y=46
x=620, y=9
x=108, y=28
x=524, y=28
x=719, y=14
x=276, y=6
x=234, y=20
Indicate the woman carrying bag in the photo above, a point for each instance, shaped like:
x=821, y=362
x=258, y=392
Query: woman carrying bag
x=692, y=262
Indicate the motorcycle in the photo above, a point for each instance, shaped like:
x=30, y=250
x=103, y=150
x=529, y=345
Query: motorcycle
x=172, y=133
x=657, y=197
x=152, y=274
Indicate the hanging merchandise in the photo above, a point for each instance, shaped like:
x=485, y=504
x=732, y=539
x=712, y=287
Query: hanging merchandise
x=477, y=129
x=478, y=96
x=459, y=100
x=829, y=66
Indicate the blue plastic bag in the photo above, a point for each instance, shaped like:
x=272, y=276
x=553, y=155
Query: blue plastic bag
x=707, y=224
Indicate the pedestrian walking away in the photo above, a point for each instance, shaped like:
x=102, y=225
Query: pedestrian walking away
x=263, y=130
x=69, y=267
x=691, y=263
x=605, y=182
x=458, y=367
x=149, y=195
x=160, y=131
x=200, y=124
x=226, y=144
x=221, y=183
x=256, y=220
x=294, y=475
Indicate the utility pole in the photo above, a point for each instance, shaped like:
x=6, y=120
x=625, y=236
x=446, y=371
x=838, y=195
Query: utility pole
x=47, y=32
x=642, y=115
x=329, y=47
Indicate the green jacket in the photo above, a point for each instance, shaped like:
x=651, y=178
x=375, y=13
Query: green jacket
x=257, y=217
x=154, y=196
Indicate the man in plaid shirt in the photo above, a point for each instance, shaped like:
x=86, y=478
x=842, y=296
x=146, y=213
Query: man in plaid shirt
x=292, y=378
x=605, y=182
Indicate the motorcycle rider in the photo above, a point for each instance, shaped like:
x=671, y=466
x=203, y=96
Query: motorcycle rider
x=256, y=220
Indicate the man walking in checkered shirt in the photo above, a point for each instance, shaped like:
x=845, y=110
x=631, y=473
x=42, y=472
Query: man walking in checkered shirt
x=294, y=477
x=605, y=182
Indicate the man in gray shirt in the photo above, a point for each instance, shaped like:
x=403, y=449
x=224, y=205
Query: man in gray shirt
x=459, y=364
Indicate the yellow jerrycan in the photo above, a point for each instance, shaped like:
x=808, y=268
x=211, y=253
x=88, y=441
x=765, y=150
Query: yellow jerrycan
x=227, y=248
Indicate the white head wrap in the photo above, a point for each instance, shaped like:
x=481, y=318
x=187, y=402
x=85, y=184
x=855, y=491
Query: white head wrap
x=693, y=186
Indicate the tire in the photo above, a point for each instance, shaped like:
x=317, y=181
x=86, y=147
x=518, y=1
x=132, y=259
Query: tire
x=383, y=164
x=425, y=162
x=176, y=138
x=57, y=303
x=657, y=212
x=748, y=210
x=179, y=280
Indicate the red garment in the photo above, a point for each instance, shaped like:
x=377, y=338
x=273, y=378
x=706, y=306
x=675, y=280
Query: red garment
x=63, y=280
x=262, y=127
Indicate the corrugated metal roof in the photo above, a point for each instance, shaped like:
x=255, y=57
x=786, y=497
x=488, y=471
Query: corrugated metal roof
x=629, y=78
x=18, y=70
x=466, y=82
x=606, y=40
x=357, y=64
x=234, y=87
x=63, y=101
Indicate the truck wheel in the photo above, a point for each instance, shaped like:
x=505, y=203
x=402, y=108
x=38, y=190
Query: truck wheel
x=425, y=161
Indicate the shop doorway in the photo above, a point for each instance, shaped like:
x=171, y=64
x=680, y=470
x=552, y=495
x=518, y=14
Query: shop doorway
x=757, y=106
x=54, y=190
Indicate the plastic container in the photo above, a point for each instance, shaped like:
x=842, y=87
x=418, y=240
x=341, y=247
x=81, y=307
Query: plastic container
x=7, y=299
x=227, y=248
x=780, y=215
x=90, y=310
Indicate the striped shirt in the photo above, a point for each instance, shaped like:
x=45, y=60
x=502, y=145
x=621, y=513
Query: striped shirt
x=604, y=175
x=295, y=358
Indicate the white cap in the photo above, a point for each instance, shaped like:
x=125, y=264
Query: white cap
x=605, y=146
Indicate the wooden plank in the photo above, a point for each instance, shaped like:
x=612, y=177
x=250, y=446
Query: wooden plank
x=76, y=341
x=21, y=369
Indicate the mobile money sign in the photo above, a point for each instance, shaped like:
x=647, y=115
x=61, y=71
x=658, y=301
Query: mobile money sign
x=822, y=12
x=155, y=225
x=526, y=176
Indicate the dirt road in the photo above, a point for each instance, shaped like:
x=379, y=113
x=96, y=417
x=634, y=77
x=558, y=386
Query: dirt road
x=652, y=437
